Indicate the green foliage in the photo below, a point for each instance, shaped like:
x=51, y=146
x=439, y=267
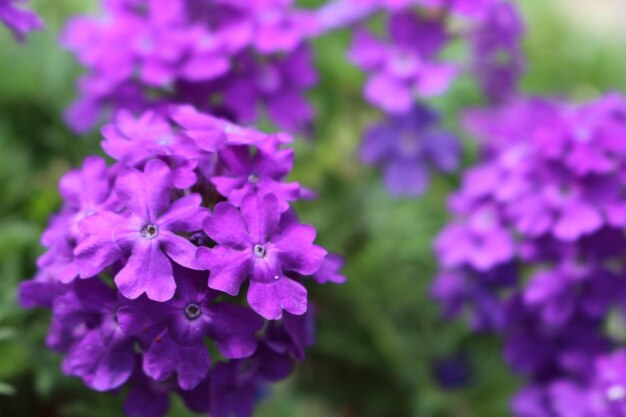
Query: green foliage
x=379, y=335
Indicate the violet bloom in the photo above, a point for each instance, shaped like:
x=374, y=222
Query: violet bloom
x=570, y=288
x=101, y=354
x=252, y=244
x=146, y=231
x=278, y=84
x=19, y=20
x=481, y=242
x=177, y=51
x=408, y=147
x=262, y=173
x=175, y=330
x=134, y=141
x=406, y=66
x=85, y=191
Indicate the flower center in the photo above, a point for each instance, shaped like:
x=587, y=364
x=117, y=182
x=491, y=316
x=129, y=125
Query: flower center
x=192, y=311
x=253, y=178
x=150, y=231
x=259, y=251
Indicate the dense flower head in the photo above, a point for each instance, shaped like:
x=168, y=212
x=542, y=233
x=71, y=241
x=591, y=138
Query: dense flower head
x=19, y=20
x=536, y=248
x=228, y=56
x=408, y=147
x=145, y=264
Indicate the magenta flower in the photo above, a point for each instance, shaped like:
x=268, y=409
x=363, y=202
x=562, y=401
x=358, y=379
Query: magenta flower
x=98, y=351
x=19, y=20
x=86, y=191
x=146, y=231
x=262, y=173
x=256, y=246
x=408, y=147
x=175, y=330
x=407, y=65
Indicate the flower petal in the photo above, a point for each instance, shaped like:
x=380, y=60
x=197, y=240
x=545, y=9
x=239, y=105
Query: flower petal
x=147, y=271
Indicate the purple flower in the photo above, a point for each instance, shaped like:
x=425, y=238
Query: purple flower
x=252, y=243
x=101, y=354
x=262, y=174
x=176, y=51
x=86, y=191
x=20, y=21
x=407, y=147
x=175, y=330
x=558, y=293
x=481, y=242
x=407, y=66
x=146, y=231
x=279, y=85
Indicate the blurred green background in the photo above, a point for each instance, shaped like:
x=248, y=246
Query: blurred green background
x=379, y=336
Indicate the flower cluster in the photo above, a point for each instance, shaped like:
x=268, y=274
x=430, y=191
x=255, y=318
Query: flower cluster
x=409, y=62
x=181, y=267
x=20, y=21
x=536, y=250
x=230, y=57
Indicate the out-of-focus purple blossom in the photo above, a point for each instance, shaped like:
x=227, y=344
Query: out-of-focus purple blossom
x=408, y=147
x=19, y=20
x=551, y=179
x=405, y=66
x=278, y=85
x=99, y=353
x=145, y=306
x=409, y=62
x=146, y=54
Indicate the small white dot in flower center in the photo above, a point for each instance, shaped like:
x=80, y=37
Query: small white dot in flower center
x=616, y=393
x=253, y=178
x=150, y=231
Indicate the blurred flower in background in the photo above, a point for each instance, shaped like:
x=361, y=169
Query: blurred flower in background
x=18, y=19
